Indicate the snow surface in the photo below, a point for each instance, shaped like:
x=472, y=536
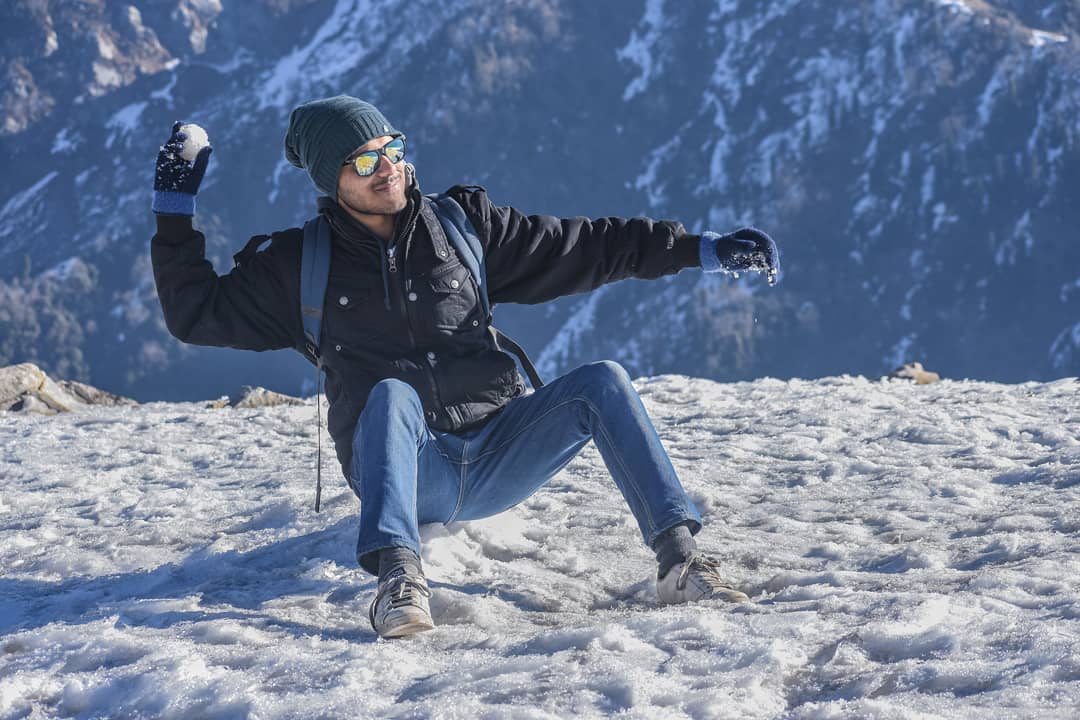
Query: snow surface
x=912, y=551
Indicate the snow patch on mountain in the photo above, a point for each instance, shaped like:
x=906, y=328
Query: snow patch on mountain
x=956, y=5
x=348, y=40
x=23, y=208
x=574, y=333
x=1065, y=350
x=66, y=142
x=641, y=49
x=124, y=121
x=1039, y=38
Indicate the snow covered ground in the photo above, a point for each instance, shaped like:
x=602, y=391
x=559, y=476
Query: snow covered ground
x=912, y=551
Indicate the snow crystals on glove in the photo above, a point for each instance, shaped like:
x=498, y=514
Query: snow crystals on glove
x=755, y=261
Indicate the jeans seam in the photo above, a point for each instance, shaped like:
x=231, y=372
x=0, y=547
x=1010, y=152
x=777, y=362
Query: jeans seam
x=461, y=484
x=603, y=429
x=618, y=458
x=522, y=431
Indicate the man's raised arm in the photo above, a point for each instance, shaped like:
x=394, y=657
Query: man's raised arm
x=254, y=307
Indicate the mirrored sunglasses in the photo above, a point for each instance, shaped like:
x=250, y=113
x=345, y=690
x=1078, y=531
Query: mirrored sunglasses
x=366, y=163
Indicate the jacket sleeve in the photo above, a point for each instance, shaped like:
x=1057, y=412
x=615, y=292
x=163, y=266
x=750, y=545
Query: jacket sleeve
x=254, y=307
x=536, y=258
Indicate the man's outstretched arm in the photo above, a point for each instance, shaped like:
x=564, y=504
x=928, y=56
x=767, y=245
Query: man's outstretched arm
x=536, y=258
x=254, y=307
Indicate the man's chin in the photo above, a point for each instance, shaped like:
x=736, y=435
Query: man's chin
x=379, y=206
x=393, y=207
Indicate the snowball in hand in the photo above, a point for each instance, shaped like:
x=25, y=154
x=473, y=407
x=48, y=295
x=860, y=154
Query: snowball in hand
x=195, y=141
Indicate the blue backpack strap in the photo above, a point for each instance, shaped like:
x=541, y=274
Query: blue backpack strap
x=314, y=275
x=462, y=235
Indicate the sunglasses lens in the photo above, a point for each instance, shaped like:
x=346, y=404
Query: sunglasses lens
x=395, y=151
x=365, y=163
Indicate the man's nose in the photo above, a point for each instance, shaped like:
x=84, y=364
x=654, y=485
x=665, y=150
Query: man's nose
x=385, y=167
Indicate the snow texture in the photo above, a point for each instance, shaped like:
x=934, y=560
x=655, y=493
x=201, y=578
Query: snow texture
x=912, y=551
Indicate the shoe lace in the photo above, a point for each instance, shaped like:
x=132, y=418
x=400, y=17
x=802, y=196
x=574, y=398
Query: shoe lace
x=706, y=569
x=403, y=590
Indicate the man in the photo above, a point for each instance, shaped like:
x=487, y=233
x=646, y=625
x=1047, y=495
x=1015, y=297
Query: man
x=430, y=418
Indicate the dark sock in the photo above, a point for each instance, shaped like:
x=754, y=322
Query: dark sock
x=392, y=558
x=673, y=546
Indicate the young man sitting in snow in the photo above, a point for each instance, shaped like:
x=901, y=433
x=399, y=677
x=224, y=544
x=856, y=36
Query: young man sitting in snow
x=430, y=418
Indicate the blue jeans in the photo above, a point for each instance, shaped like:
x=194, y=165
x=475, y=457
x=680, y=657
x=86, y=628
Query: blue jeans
x=407, y=474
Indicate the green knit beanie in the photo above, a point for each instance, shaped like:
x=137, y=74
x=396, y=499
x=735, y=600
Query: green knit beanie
x=322, y=134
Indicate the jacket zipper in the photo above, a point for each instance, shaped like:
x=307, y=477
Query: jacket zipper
x=391, y=259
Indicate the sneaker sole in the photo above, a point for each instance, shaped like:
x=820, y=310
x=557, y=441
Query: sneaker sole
x=736, y=599
x=408, y=628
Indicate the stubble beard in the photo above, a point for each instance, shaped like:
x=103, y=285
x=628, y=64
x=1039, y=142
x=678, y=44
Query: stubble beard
x=390, y=205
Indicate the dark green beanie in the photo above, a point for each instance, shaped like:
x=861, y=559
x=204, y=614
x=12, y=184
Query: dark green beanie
x=323, y=133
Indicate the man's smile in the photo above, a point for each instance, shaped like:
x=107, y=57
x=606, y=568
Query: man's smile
x=390, y=185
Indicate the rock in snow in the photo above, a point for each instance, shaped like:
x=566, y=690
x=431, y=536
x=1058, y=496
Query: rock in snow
x=915, y=371
x=911, y=551
x=26, y=388
x=251, y=397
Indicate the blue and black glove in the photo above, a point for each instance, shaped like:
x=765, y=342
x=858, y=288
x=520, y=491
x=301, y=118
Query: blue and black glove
x=745, y=250
x=176, y=181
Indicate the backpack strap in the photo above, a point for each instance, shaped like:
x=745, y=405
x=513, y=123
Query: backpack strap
x=462, y=235
x=314, y=277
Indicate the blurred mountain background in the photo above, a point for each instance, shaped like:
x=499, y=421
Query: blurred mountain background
x=914, y=160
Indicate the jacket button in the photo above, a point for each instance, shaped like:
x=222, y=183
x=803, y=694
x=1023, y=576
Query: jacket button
x=412, y=297
x=338, y=348
x=431, y=356
x=343, y=300
x=442, y=253
x=454, y=284
x=475, y=323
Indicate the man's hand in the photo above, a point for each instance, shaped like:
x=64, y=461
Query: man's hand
x=745, y=250
x=176, y=181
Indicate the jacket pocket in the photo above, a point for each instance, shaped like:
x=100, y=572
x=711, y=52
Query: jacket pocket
x=352, y=316
x=454, y=298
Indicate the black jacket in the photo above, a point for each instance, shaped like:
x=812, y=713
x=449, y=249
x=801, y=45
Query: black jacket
x=408, y=310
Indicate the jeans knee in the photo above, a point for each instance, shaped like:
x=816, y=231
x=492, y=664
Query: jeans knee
x=393, y=399
x=606, y=377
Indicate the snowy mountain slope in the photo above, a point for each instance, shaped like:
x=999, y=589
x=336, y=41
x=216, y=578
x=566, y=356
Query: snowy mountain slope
x=911, y=552
x=916, y=160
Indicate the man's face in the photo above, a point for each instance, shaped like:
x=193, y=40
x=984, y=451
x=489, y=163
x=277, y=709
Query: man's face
x=382, y=192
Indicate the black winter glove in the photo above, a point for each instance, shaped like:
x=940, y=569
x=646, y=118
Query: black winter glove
x=745, y=250
x=176, y=181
